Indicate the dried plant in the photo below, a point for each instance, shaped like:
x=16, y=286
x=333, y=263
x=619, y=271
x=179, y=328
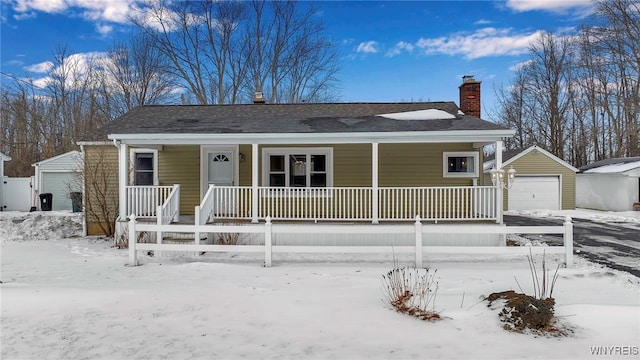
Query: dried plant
x=229, y=238
x=543, y=284
x=411, y=291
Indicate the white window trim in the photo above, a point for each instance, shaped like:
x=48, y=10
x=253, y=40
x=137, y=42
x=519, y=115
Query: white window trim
x=327, y=151
x=445, y=164
x=204, y=151
x=132, y=158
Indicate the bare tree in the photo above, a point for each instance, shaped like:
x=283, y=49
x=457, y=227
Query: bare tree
x=225, y=51
x=511, y=111
x=620, y=39
x=133, y=74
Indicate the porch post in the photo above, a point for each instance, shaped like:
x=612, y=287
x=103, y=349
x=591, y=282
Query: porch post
x=123, y=170
x=374, y=183
x=499, y=188
x=254, y=183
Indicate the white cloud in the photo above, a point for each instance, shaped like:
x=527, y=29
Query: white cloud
x=548, y=5
x=483, y=22
x=104, y=29
x=48, y=6
x=400, y=46
x=481, y=43
x=42, y=67
x=520, y=65
x=368, y=47
x=42, y=83
x=116, y=11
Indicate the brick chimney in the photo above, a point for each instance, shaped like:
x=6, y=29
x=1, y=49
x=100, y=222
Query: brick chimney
x=470, y=96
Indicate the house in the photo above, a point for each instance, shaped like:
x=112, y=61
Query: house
x=3, y=158
x=353, y=162
x=542, y=181
x=610, y=184
x=59, y=176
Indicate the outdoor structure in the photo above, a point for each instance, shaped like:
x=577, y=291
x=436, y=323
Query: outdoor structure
x=335, y=164
x=542, y=181
x=3, y=158
x=59, y=176
x=610, y=184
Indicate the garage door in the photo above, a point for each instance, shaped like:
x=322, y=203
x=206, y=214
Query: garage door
x=535, y=192
x=57, y=183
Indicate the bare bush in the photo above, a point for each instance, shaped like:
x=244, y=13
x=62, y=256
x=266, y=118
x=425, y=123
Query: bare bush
x=522, y=312
x=411, y=291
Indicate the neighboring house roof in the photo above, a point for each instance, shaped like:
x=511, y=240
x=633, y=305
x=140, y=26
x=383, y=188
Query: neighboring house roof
x=509, y=156
x=4, y=157
x=323, y=118
x=73, y=153
x=612, y=166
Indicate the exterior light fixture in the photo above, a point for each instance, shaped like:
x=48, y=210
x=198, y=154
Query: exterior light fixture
x=498, y=177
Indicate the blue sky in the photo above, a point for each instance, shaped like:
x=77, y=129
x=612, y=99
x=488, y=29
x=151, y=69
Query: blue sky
x=391, y=51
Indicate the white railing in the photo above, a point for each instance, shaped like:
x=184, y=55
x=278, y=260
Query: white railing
x=143, y=201
x=232, y=202
x=352, y=203
x=169, y=211
x=438, y=203
x=343, y=203
x=204, y=211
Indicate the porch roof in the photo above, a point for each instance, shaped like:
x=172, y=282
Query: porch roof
x=302, y=123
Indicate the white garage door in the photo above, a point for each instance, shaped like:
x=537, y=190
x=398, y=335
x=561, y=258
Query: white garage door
x=535, y=192
x=57, y=183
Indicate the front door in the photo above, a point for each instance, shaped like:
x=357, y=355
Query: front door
x=219, y=169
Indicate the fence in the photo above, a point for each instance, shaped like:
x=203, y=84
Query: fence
x=418, y=229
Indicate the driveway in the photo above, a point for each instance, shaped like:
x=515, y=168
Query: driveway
x=613, y=244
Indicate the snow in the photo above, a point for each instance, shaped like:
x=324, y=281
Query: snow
x=614, y=168
x=429, y=114
x=596, y=215
x=70, y=297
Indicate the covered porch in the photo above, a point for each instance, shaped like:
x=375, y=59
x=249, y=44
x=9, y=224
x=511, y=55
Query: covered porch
x=256, y=202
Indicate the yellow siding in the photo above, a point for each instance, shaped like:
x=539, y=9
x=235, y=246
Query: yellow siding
x=537, y=163
x=101, y=177
x=399, y=164
x=181, y=165
x=417, y=165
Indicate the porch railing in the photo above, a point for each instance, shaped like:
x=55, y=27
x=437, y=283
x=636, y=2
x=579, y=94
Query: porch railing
x=169, y=211
x=144, y=200
x=438, y=203
x=352, y=203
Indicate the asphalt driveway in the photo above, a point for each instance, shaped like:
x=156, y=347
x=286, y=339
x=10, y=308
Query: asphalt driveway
x=613, y=244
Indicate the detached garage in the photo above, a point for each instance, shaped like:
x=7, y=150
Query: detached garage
x=59, y=176
x=610, y=184
x=543, y=181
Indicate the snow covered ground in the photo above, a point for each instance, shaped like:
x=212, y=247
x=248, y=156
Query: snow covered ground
x=595, y=215
x=71, y=297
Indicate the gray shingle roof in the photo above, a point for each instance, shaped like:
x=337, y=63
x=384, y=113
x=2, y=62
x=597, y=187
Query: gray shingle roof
x=286, y=118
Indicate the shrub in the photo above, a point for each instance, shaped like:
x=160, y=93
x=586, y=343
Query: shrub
x=411, y=291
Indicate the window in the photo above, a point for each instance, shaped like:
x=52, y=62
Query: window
x=297, y=167
x=144, y=167
x=460, y=164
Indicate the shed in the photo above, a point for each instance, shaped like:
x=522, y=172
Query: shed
x=59, y=176
x=610, y=184
x=543, y=181
x=3, y=158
